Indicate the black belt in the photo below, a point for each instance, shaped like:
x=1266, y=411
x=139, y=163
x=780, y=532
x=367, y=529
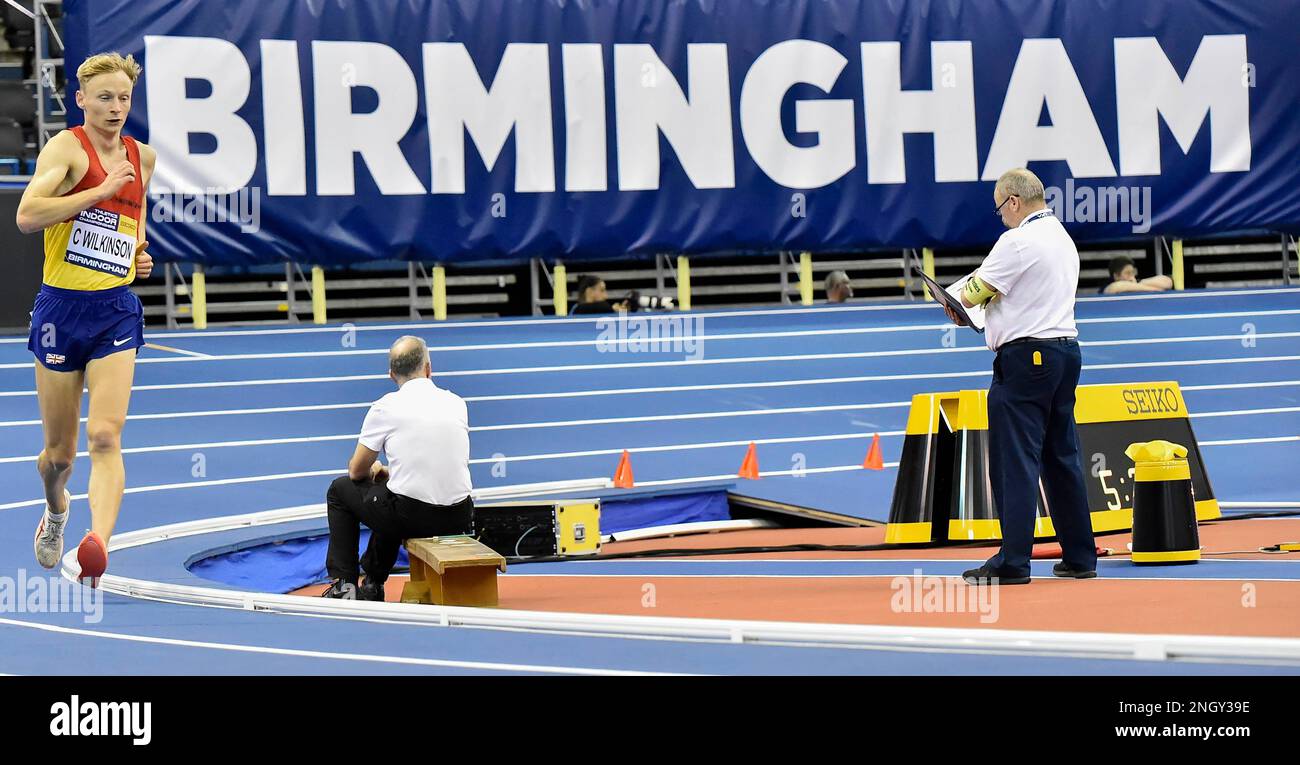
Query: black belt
x=1037, y=340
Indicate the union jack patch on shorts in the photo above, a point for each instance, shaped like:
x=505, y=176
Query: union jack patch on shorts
x=54, y=358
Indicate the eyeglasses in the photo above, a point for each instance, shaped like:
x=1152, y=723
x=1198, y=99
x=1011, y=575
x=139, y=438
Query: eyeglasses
x=998, y=210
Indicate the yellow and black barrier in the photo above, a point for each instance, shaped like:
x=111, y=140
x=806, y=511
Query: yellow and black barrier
x=1164, y=514
x=943, y=492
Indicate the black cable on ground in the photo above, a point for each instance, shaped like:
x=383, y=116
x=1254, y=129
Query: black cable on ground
x=703, y=551
x=699, y=551
x=1261, y=514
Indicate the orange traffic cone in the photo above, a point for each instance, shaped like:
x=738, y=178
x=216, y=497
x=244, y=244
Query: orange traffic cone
x=874, y=461
x=749, y=466
x=623, y=475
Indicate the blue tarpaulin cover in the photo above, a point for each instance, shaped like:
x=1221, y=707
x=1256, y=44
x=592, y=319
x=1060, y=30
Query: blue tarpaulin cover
x=288, y=565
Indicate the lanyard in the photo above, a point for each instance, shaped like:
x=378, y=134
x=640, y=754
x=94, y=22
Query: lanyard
x=1035, y=216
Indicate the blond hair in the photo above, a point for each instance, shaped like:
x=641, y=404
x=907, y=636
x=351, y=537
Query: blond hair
x=107, y=63
x=1020, y=182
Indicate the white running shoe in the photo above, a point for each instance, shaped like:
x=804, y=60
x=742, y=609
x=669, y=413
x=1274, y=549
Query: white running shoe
x=49, y=534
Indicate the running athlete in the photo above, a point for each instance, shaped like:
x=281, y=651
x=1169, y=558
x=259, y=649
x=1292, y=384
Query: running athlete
x=88, y=194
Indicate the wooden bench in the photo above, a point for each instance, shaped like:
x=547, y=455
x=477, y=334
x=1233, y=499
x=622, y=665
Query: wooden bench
x=452, y=571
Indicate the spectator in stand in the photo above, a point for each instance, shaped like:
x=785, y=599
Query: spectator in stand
x=592, y=297
x=1123, y=278
x=839, y=288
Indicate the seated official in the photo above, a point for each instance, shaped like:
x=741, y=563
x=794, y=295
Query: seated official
x=839, y=288
x=423, y=430
x=1123, y=278
x=592, y=297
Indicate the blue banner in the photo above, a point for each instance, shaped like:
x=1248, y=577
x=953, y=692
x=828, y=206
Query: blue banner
x=338, y=131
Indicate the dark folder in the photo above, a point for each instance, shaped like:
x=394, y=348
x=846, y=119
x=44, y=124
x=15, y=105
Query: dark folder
x=946, y=299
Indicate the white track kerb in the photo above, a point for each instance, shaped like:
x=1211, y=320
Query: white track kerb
x=873, y=637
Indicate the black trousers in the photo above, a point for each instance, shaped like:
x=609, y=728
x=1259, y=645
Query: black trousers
x=1032, y=433
x=391, y=518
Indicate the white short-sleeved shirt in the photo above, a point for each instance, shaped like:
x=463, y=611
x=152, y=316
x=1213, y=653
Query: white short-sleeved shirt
x=1035, y=269
x=424, y=432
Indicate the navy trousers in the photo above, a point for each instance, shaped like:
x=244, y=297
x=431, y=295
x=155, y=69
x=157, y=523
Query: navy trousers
x=1032, y=433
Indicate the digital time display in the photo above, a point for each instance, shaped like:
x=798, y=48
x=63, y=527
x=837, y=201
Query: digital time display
x=1110, y=418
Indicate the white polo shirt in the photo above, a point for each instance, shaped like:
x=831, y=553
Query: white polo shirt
x=424, y=431
x=1035, y=269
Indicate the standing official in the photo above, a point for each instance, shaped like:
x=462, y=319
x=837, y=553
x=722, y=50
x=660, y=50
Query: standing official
x=1027, y=285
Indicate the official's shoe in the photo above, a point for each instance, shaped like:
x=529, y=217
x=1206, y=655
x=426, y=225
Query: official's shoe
x=48, y=544
x=1064, y=569
x=341, y=590
x=92, y=555
x=986, y=575
x=371, y=591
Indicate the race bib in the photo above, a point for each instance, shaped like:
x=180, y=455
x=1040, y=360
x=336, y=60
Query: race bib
x=102, y=241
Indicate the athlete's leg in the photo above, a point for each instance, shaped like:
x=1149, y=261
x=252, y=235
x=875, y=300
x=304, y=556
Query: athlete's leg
x=59, y=394
x=109, y=380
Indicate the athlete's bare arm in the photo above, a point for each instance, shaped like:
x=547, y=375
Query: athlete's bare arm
x=143, y=260
x=148, y=159
x=59, y=168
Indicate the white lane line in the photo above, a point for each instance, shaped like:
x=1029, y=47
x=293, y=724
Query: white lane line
x=1236, y=441
x=493, y=460
x=340, y=471
x=182, y=351
x=801, y=382
x=735, y=360
x=511, y=426
x=619, y=392
x=338, y=329
x=331, y=655
x=869, y=378
x=485, y=493
x=216, y=413
x=209, y=445
x=194, y=485
x=583, y=367
x=1233, y=386
x=1186, y=316
x=1187, y=363
x=569, y=423
x=630, y=391
x=690, y=416
x=1236, y=412
x=726, y=386
x=620, y=339
x=238, y=383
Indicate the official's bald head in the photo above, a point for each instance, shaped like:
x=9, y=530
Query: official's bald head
x=1019, y=182
x=1017, y=194
x=408, y=358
